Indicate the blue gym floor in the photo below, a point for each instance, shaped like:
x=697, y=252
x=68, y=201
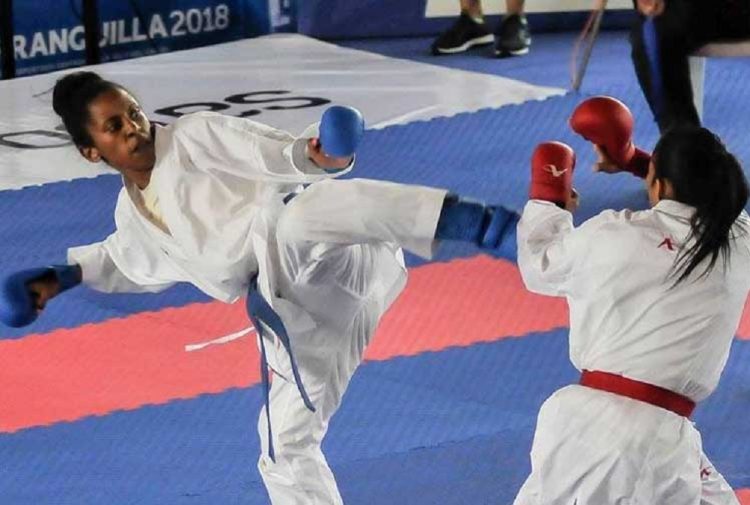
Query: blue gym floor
x=446, y=427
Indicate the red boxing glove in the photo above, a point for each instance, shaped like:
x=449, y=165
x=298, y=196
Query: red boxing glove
x=608, y=123
x=552, y=167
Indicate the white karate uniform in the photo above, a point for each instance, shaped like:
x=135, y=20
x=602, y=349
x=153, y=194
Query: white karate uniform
x=329, y=263
x=592, y=447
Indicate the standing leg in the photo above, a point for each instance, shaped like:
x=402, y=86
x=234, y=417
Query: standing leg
x=300, y=475
x=344, y=289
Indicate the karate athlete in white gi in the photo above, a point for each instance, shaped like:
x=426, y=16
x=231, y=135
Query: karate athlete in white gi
x=217, y=201
x=655, y=298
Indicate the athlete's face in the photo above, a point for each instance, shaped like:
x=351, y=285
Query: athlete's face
x=121, y=133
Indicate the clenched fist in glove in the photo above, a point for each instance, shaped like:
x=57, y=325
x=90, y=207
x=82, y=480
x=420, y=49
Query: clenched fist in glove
x=608, y=124
x=24, y=294
x=552, y=166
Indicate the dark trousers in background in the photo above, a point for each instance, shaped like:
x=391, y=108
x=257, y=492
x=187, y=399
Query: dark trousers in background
x=685, y=26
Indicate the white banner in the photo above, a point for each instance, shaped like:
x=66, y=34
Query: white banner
x=445, y=8
x=286, y=81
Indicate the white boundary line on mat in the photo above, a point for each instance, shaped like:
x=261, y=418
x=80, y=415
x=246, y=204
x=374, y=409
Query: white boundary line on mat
x=221, y=340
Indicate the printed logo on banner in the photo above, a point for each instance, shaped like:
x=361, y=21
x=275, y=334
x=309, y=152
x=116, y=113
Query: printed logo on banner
x=124, y=31
x=49, y=37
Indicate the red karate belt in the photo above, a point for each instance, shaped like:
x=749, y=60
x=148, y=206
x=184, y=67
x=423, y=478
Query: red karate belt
x=638, y=390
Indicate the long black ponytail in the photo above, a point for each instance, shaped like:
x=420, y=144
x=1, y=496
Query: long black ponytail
x=706, y=176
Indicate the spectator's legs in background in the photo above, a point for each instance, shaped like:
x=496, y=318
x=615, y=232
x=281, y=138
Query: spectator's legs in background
x=512, y=37
x=472, y=7
x=468, y=30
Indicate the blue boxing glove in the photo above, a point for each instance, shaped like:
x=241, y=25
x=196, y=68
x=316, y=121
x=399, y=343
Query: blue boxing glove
x=25, y=293
x=331, y=143
x=341, y=130
x=470, y=221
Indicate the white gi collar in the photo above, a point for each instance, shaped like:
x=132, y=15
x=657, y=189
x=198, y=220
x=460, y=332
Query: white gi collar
x=675, y=208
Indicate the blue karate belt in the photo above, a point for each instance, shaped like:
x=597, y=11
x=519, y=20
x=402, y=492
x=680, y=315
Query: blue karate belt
x=261, y=313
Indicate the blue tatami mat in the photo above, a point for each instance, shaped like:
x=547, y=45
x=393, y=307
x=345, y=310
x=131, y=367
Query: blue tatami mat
x=449, y=427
